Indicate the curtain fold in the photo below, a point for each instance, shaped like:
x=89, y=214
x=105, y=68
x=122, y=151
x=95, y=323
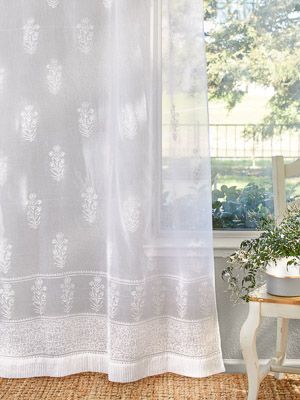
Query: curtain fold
x=106, y=259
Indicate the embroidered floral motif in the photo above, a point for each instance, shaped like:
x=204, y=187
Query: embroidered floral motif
x=114, y=300
x=129, y=122
x=131, y=213
x=89, y=205
x=159, y=298
x=60, y=250
x=29, y=123
x=33, y=211
x=53, y=3
x=67, y=296
x=86, y=120
x=39, y=296
x=32, y=337
x=5, y=255
x=43, y=336
x=3, y=170
x=2, y=77
x=85, y=34
x=137, y=302
x=107, y=3
x=6, y=300
x=96, y=294
x=198, y=172
x=30, y=36
x=57, y=163
x=181, y=300
x=54, y=76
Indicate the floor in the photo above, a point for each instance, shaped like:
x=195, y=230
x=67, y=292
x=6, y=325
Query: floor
x=90, y=386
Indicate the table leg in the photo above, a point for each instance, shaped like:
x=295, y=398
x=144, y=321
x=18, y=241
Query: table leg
x=281, y=344
x=248, y=346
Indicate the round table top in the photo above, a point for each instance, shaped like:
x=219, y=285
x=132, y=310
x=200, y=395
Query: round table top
x=261, y=295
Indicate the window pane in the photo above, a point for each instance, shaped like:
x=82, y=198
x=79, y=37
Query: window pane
x=253, y=53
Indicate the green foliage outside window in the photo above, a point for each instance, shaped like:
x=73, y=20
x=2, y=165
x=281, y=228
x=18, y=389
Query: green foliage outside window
x=261, y=48
x=253, y=43
x=235, y=208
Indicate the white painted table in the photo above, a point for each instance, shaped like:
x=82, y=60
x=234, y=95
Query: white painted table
x=264, y=305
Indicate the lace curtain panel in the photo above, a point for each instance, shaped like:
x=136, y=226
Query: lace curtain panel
x=106, y=257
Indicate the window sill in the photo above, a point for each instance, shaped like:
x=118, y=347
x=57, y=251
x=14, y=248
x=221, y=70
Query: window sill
x=226, y=242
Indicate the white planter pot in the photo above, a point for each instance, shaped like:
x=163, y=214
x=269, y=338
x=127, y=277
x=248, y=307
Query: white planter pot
x=283, y=280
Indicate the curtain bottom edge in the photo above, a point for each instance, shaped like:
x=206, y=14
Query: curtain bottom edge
x=117, y=372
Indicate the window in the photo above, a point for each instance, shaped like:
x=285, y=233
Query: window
x=185, y=205
x=253, y=53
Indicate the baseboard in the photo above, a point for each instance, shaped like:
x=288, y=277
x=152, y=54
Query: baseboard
x=237, y=366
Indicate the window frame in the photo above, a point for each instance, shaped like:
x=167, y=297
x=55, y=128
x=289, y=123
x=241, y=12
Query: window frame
x=226, y=242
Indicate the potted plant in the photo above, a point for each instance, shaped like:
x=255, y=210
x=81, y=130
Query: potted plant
x=273, y=257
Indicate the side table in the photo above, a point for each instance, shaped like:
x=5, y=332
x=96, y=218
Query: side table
x=262, y=305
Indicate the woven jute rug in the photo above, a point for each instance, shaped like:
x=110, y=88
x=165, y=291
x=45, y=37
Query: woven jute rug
x=90, y=386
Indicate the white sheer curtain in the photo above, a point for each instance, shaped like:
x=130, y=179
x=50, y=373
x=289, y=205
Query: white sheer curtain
x=105, y=217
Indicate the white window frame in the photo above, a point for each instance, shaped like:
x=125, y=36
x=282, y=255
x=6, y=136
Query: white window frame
x=226, y=242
